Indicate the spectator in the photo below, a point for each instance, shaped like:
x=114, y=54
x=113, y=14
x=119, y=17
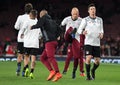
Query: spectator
x=9, y=51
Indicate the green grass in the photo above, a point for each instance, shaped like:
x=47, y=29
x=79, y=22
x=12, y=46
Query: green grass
x=107, y=74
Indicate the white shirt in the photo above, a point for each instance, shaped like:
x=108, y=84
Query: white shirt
x=72, y=23
x=19, y=23
x=93, y=27
x=31, y=37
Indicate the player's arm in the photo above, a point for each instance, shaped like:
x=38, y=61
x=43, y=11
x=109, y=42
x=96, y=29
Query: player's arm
x=63, y=27
x=63, y=24
x=39, y=24
x=23, y=29
x=59, y=32
x=101, y=34
x=17, y=23
x=81, y=27
x=40, y=34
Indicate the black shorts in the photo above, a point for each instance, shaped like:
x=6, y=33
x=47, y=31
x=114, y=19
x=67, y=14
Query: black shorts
x=92, y=50
x=31, y=51
x=20, y=48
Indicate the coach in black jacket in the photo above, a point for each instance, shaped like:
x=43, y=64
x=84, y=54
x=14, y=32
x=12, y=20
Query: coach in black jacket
x=49, y=27
x=51, y=32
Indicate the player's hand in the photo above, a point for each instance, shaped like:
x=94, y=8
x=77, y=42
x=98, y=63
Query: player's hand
x=73, y=35
x=58, y=38
x=100, y=35
x=84, y=32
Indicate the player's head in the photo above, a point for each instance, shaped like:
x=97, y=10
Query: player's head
x=91, y=9
x=28, y=7
x=75, y=13
x=33, y=14
x=43, y=12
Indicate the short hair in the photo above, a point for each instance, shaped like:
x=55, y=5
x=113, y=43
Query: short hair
x=43, y=12
x=75, y=8
x=91, y=5
x=34, y=12
x=28, y=7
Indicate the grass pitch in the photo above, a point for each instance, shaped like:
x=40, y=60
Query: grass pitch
x=106, y=74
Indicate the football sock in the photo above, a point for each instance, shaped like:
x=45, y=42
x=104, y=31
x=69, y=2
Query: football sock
x=32, y=70
x=25, y=68
x=19, y=66
x=95, y=66
x=88, y=70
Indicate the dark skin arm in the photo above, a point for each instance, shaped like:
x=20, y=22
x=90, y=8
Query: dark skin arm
x=39, y=24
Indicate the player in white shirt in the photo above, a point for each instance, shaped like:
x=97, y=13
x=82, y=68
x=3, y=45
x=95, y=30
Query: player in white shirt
x=31, y=41
x=73, y=51
x=93, y=32
x=18, y=25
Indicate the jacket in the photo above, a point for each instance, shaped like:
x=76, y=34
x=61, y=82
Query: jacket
x=50, y=29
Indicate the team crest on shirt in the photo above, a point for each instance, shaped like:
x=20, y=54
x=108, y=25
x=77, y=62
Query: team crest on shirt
x=87, y=52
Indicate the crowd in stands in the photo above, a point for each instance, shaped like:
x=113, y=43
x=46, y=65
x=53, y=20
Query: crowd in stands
x=8, y=48
x=110, y=46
